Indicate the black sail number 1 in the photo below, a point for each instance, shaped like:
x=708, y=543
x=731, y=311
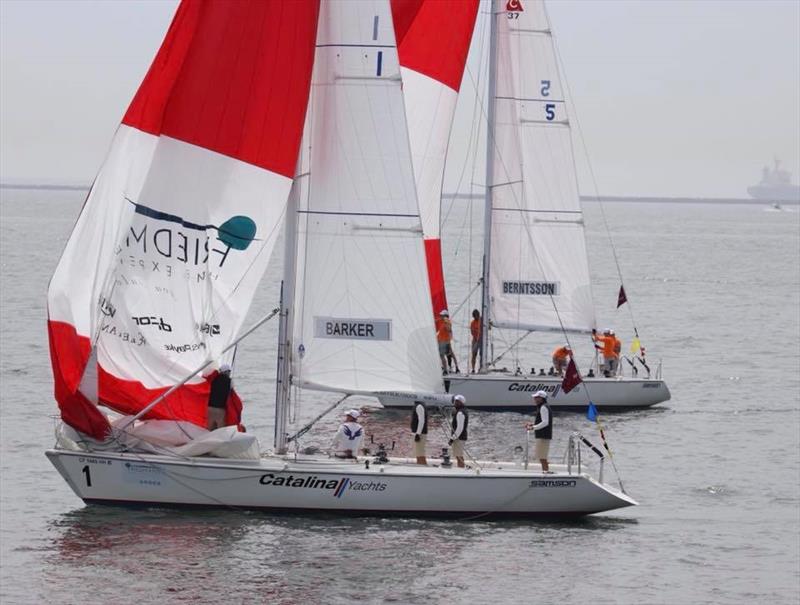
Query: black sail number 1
x=88, y=475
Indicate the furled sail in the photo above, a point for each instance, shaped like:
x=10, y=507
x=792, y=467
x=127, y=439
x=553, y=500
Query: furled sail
x=539, y=273
x=433, y=42
x=177, y=230
x=363, y=317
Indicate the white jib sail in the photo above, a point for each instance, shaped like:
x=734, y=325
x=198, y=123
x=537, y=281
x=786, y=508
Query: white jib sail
x=539, y=262
x=363, y=315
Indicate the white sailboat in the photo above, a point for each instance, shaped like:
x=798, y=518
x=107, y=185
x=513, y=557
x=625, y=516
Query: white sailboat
x=535, y=262
x=200, y=152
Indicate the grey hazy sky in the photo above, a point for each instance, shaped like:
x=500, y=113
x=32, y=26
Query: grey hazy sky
x=675, y=97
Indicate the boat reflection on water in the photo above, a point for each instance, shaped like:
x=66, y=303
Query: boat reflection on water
x=251, y=557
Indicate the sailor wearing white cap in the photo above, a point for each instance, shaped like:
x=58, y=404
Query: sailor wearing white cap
x=459, y=425
x=348, y=438
x=542, y=428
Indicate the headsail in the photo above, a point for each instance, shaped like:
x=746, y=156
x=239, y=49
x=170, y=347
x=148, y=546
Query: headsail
x=363, y=316
x=538, y=256
x=178, y=227
x=433, y=42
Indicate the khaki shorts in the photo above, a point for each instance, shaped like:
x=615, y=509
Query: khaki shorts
x=541, y=448
x=458, y=448
x=419, y=446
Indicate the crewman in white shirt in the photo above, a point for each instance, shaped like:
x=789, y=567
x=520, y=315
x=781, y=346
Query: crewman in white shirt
x=419, y=428
x=348, y=438
x=459, y=425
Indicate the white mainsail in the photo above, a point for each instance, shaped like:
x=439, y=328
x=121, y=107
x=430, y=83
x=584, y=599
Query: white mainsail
x=363, y=320
x=539, y=272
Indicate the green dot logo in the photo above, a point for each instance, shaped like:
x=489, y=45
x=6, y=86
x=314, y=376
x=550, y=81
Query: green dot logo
x=238, y=232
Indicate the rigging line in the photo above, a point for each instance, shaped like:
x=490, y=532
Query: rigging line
x=339, y=213
x=319, y=417
x=474, y=132
x=463, y=302
x=512, y=346
x=460, y=234
x=468, y=347
x=585, y=149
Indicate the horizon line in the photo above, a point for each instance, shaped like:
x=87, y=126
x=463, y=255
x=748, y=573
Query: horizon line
x=467, y=196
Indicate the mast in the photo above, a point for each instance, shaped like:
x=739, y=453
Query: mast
x=283, y=380
x=487, y=216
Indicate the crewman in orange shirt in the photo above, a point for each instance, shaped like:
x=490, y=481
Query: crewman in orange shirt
x=444, y=336
x=610, y=358
x=476, y=330
x=560, y=359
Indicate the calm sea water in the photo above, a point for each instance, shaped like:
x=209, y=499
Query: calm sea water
x=716, y=294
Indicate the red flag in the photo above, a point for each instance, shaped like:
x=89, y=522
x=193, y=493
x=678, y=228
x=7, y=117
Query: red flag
x=572, y=377
x=621, y=299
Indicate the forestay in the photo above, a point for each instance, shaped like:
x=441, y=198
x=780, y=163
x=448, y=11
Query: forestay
x=538, y=252
x=363, y=316
x=433, y=41
x=178, y=227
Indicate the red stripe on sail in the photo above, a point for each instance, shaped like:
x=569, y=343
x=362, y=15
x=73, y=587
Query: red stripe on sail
x=433, y=257
x=433, y=37
x=234, y=78
x=69, y=353
x=189, y=402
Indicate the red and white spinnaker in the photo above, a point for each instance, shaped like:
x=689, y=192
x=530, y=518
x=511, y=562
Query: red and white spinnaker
x=179, y=225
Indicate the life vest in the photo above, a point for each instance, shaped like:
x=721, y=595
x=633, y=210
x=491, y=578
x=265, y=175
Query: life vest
x=546, y=432
x=454, y=424
x=415, y=421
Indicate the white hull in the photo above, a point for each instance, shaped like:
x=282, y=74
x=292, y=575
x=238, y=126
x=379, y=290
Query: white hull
x=507, y=392
x=333, y=486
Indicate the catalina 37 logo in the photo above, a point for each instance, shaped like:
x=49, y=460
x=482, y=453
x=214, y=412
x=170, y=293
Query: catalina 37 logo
x=514, y=6
x=338, y=486
x=236, y=233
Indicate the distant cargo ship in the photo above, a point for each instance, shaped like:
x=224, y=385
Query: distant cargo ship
x=775, y=186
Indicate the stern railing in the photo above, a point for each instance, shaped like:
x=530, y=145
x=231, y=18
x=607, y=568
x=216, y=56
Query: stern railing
x=573, y=455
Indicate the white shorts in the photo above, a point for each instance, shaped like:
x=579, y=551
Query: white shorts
x=541, y=448
x=419, y=446
x=458, y=448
